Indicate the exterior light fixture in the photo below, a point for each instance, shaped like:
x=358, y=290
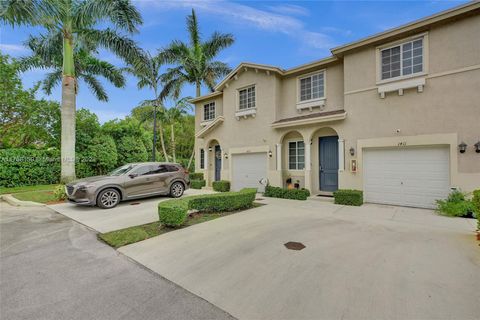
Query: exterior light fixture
x=226, y=155
x=477, y=147
x=462, y=147
x=209, y=149
x=352, y=151
x=270, y=153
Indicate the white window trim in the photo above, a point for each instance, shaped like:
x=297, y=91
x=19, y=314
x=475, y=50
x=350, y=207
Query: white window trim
x=288, y=155
x=378, y=58
x=239, y=113
x=206, y=121
x=309, y=102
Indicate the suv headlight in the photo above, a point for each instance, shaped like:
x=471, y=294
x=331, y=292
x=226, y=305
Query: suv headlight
x=85, y=187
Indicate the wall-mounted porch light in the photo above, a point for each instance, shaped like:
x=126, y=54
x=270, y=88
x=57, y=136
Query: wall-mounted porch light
x=270, y=153
x=352, y=151
x=477, y=147
x=462, y=147
x=226, y=155
x=210, y=149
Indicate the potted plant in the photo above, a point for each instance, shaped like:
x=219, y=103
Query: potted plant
x=289, y=183
x=297, y=184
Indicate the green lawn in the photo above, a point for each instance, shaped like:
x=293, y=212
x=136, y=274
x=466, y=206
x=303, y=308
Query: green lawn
x=40, y=193
x=42, y=187
x=130, y=235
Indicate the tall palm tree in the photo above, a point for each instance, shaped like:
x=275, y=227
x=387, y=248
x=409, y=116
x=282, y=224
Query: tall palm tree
x=76, y=23
x=173, y=115
x=194, y=62
x=148, y=75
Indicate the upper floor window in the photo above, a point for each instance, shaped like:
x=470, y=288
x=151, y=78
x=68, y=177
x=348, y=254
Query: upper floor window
x=246, y=98
x=402, y=60
x=296, y=155
x=312, y=87
x=209, y=111
x=202, y=158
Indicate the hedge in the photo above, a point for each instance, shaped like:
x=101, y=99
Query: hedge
x=476, y=203
x=196, y=176
x=221, y=186
x=22, y=167
x=284, y=193
x=197, y=184
x=174, y=212
x=348, y=197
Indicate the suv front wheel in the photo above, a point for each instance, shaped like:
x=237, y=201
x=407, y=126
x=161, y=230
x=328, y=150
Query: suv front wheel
x=108, y=198
x=176, y=190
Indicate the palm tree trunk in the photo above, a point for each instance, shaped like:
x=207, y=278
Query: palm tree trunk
x=162, y=140
x=154, y=147
x=198, y=87
x=173, y=144
x=68, y=114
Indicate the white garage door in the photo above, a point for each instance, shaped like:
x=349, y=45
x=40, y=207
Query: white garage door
x=248, y=169
x=413, y=177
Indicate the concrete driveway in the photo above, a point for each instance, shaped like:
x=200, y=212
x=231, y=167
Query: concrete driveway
x=126, y=214
x=371, y=262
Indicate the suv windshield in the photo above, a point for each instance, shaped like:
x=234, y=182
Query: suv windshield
x=122, y=170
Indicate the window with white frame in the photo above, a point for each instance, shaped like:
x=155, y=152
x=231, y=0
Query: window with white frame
x=296, y=155
x=209, y=111
x=312, y=87
x=202, y=158
x=402, y=60
x=246, y=98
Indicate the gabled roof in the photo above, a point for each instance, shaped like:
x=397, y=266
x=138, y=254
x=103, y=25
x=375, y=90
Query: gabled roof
x=247, y=65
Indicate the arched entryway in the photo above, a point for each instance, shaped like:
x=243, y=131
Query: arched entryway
x=294, y=160
x=214, y=160
x=325, y=160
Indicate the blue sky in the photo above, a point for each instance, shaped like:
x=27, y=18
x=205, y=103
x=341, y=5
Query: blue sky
x=281, y=33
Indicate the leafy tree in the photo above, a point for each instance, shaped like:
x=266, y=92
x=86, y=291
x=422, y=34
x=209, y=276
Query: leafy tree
x=131, y=149
x=173, y=116
x=74, y=26
x=194, y=62
x=149, y=76
x=101, y=154
x=25, y=122
x=87, y=127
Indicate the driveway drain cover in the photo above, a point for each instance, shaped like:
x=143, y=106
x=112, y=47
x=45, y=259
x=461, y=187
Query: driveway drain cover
x=294, y=245
x=134, y=203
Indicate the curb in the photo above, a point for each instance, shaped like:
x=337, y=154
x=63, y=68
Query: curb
x=19, y=203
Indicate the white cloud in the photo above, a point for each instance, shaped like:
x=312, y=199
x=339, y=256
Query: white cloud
x=290, y=9
x=260, y=19
x=12, y=48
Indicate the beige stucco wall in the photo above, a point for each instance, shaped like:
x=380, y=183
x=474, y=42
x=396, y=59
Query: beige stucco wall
x=445, y=113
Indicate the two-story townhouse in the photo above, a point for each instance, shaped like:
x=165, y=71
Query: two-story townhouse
x=396, y=115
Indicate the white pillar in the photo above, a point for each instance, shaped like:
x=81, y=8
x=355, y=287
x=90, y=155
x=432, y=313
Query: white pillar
x=308, y=161
x=279, y=156
x=206, y=170
x=341, y=155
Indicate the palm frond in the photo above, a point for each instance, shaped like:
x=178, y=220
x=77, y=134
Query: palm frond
x=192, y=26
x=96, y=87
x=176, y=52
x=121, y=13
x=47, y=46
x=95, y=66
x=51, y=80
x=216, y=43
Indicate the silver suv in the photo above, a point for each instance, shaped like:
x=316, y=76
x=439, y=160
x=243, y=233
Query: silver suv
x=131, y=181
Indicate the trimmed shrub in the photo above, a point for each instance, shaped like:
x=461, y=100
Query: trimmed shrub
x=59, y=192
x=197, y=184
x=284, y=193
x=221, y=186
x=456, y=205
x=226, y=201
x=174, y=212
x=101, y=154
x=196, y=176
x=476, y=203
x=23, y=167
x=348, y=197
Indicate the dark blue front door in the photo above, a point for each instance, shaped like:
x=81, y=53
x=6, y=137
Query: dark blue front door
x=328, y=155
x=218, y=162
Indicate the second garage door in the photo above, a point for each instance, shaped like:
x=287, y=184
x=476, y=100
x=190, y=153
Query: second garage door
x=414, y=177
x=248, y=169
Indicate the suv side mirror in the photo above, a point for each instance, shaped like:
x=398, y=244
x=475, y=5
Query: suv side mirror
x=132, y=175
